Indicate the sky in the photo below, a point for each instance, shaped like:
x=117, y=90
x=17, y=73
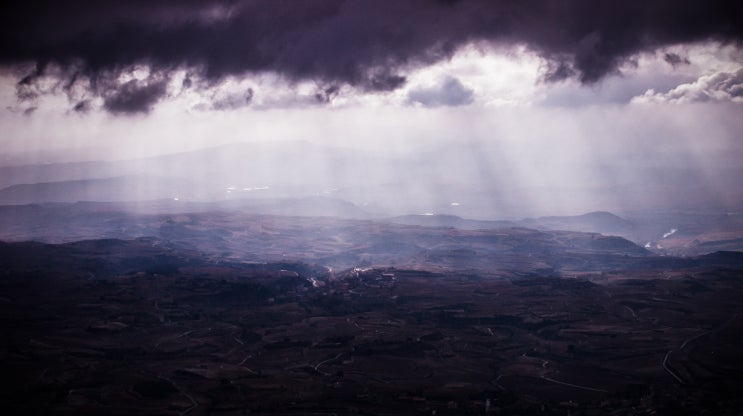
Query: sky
x=555, y=90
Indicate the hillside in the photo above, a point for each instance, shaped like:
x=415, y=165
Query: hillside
x=148, y=326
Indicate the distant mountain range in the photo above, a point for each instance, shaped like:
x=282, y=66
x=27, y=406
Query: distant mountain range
x=123, y=188
x=694, y=233
x=213, y=170
x=674, y=213
x=465, y=181
x=596, y=222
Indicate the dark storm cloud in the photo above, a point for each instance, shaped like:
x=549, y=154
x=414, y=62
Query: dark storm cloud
x=82, y=106
x=134, y=97
x=675, y=60
x=326, y=95
x=364, y=43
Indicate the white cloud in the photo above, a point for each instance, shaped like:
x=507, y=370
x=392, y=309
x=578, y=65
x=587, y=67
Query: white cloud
x=716, y=87
x=500, y=77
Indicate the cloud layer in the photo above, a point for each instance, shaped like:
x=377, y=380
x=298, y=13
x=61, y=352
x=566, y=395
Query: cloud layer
x=366, y=44
x=717, y=87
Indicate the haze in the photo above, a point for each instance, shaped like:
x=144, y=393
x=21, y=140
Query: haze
x=479, y=109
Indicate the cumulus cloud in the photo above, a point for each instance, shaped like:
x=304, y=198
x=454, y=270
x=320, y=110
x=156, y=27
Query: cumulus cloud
x=339, y=42
x=229, y=101
x=720, y=86
x=450, y=92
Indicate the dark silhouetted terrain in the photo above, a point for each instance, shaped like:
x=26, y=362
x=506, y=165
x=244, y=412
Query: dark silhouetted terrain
x=140, y=308
x=145, y=326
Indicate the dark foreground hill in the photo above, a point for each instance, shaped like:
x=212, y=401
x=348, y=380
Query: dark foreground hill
x=147, y=326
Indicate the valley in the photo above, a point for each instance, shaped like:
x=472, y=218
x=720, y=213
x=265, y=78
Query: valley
x=233, y=313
